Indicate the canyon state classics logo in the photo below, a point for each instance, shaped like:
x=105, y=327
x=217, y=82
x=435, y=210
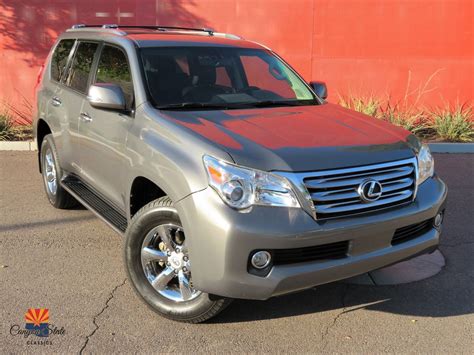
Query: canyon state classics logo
x=37, y=320
x=37, y=325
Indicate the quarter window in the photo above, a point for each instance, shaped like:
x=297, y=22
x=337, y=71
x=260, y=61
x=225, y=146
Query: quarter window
x=113, y=68
x=60, y=56
x=81, y=66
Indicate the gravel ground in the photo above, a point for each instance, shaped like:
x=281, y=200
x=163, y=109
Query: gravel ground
x=71, y=263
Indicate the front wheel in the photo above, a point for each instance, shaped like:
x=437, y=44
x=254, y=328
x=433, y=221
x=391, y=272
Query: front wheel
x=159, y=267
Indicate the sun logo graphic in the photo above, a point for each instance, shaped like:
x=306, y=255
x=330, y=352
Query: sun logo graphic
x=37, y=320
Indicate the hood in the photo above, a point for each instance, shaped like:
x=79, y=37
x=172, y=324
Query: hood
x=301, y=138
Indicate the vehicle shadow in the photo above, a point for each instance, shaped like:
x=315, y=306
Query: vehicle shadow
x=447, y=294
x=46, y=223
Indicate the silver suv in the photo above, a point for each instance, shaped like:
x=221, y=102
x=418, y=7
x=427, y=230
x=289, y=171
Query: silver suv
x=228, y=175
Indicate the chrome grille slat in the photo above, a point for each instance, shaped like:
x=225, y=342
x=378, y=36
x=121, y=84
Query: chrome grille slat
x=400, y=181
x=334, y=193
x=336, y=208
x=325, y=183
x=405, y=170
x=351, y=193
x=399, y=184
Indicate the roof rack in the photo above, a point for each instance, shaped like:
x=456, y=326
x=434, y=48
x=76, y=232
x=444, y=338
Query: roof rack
x=209, y=31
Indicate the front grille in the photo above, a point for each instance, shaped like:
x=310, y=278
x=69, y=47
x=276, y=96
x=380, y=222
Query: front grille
x=334, y=193
x=410, y=232
x=330, y=251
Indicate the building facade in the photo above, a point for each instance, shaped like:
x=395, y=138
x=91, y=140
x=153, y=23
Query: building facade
x=420, y=50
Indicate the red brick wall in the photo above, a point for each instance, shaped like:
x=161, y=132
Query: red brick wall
x=380, y=47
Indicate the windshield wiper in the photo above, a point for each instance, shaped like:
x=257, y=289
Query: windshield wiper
x=270, y=103
x=192, y=105
x=230, y=106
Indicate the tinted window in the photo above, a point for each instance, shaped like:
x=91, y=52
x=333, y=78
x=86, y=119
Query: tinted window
x=81, y=66
x=60, y=56
x=196, y=77
x=113, y=68
x=261, y=75
x=168, y=74
x=222, y=77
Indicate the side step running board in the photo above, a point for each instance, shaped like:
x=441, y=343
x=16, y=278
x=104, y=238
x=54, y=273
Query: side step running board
x=95, y=203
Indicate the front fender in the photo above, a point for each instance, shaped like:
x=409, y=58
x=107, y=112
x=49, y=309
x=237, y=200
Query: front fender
x=167, y=155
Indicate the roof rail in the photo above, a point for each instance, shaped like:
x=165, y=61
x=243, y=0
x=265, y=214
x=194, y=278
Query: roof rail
x=117, y=28
x=209, y=31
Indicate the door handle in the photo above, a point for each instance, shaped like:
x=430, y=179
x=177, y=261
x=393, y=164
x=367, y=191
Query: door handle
x=84, y=116
x=55, y=101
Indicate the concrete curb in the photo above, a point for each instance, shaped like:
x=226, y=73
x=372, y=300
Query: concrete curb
x=451, y=147
x=17, y=145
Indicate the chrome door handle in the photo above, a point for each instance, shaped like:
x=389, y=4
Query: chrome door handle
x=85, y=117
x=55, y=101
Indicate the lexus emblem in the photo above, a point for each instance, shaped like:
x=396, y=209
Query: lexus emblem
x=370, y=190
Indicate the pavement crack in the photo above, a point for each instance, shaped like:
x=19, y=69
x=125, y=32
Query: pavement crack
x=336, y=318
x=94, y=319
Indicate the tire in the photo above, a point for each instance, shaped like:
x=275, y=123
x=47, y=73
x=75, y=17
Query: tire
x=51, y=170
x=149, y=229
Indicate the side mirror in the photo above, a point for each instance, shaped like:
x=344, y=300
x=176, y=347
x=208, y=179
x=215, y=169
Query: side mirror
x=108, y=96
x=320, y=89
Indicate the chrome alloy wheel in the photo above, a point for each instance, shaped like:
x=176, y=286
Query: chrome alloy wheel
x=50, y=176
x=166, y=264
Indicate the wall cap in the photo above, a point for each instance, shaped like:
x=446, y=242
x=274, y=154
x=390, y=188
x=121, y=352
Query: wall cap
x=451, y=147
x=18, y=145
x=435, y=147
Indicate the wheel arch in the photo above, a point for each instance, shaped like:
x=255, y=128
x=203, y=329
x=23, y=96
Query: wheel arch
x=42, y=130
x=142, y=191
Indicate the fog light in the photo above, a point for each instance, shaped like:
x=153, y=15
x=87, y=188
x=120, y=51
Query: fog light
x=261, y=259
x=438, y=220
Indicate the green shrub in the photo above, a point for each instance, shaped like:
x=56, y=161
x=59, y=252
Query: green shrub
x=6, y=126
x=9, y=131
x=409, y=118
x=367, y=105
x=454, y=124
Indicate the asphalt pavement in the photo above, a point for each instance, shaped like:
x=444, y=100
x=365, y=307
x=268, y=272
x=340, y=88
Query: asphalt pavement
x=71, y=263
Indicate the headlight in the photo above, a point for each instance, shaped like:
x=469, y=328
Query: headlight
x=425, y=164
x=242, y=187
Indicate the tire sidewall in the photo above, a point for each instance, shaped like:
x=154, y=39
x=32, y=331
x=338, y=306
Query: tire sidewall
x=139, y=227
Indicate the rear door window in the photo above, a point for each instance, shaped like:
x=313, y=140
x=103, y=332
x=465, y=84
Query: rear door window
x=60, y=57
x=113, y=68
x=81, y=66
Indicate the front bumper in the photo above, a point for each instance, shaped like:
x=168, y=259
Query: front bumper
x=221, y=239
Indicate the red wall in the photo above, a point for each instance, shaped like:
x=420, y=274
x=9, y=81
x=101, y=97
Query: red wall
x=423, y=49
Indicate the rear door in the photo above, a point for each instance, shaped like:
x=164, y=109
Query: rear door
x=57, y=113
x=71, y=94
x=103, y=158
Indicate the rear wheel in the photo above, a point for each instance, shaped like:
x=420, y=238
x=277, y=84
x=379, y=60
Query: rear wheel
x=158, y=264
x=52, y=174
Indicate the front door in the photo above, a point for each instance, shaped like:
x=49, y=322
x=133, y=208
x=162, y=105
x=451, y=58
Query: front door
x=103, y=159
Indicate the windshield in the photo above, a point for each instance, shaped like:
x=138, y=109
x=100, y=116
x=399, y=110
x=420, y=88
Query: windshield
x=221, y=78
